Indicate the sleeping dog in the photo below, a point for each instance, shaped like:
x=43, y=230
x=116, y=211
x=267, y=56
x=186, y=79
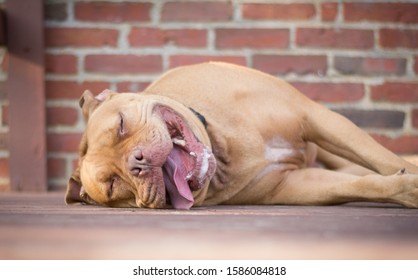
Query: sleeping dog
x=217, y=133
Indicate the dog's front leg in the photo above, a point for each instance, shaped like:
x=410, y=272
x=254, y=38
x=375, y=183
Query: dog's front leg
x=336, y=134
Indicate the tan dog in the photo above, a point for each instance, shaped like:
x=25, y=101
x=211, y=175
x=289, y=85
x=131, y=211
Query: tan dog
x=217, y=133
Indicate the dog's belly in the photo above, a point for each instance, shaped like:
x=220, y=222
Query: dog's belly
x=281, y=157
x=278, y=150
x=268, y=171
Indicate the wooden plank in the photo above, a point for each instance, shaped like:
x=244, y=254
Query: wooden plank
x=25, y=87
x=41, y=226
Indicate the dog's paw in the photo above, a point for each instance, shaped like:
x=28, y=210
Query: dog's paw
x=406, y=187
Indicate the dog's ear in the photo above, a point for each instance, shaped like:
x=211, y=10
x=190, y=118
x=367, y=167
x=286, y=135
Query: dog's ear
x=75, y=190
x=74, y=187
x=88, y=102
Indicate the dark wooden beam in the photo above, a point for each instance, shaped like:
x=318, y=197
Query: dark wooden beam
x=26, y=94
x=2, y=27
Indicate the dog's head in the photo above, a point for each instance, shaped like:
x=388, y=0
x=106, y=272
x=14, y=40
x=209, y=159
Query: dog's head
x=140, y=151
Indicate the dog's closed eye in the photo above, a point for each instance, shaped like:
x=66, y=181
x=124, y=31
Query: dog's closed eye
x=111, y=186
x=122, y=126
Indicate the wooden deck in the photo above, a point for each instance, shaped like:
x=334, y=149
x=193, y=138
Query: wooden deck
x=41, y=226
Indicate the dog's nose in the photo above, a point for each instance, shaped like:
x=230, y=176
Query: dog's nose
x=137, y=154
x=136, y=162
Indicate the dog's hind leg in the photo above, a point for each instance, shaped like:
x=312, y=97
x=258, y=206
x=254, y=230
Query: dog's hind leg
x=337, y=135
x=314, y=186
x=337, y=163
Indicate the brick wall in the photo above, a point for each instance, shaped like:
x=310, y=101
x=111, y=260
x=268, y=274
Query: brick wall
x=358, y=58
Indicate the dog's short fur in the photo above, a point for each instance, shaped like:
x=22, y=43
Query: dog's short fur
x=217, y=133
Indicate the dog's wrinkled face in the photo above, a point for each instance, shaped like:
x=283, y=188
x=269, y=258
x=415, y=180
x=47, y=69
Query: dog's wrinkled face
x=138, y=152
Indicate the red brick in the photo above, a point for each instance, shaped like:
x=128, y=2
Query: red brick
x=72, y=90
x=252, y=38
x=57, y=116
x=132, y=86
x=196, y=11
x=55, y=11
x=61, y=63
x=4, y=141
x=374, y=118
x=370, y=66
x=3, y=91
x=150, y=37
x=63, y=142
x=329, y=11
x=123, y=64
x=80, y=37
x=180, y=60
x=284, y=64
x=5, y=115
x=192, y=38
x=381, y=12
x=56, y=168
x=145, y=36
x=407, y=144
x=4, y=167
x=395, y=92
x=301, y=11
x=399, y=38
x=416, y=65
x=113, y=12
x=335, y=38
x=331, y=92
x=415, y=118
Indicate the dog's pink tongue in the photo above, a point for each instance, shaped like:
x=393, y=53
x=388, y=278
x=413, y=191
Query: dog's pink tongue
x=178, y=189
